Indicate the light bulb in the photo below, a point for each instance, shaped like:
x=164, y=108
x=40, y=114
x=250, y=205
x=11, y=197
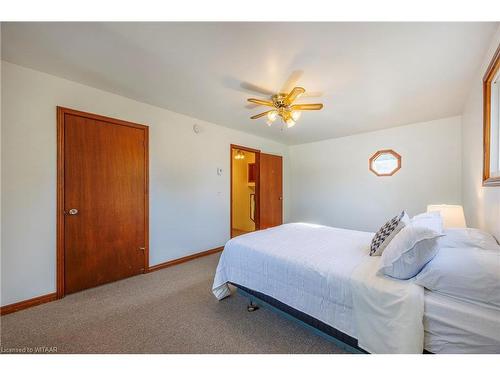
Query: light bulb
x=296, y=115
x=290, y=122
x=271, y=115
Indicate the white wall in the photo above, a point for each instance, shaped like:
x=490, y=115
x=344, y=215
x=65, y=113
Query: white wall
x=331, y=183
x=189, y=202
x=481, y=204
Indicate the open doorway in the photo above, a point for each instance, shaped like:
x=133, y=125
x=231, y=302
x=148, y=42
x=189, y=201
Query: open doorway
x=244, y=190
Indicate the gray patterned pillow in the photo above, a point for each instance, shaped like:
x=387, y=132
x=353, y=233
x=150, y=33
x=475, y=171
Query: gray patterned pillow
x=385, y=234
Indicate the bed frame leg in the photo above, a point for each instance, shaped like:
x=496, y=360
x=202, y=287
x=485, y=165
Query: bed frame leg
x=251, y=307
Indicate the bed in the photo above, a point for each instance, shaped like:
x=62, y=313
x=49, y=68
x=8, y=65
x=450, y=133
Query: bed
x=326, y=276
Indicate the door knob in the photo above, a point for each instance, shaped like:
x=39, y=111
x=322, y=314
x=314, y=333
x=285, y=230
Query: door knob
x=72, y=211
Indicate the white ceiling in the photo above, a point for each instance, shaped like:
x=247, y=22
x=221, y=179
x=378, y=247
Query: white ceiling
x=368, y=75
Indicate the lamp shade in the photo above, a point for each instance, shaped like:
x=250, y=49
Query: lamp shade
x=453, y=215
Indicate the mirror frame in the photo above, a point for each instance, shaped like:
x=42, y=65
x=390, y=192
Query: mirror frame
x=377, y=154
x=488, y=77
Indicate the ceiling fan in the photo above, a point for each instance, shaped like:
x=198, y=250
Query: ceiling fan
x=283, y=107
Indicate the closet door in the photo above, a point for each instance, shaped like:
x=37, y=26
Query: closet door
x=105, y=201
x=271, y=190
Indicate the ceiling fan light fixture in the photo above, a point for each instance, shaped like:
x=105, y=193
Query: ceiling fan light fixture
x=272, y=115
x=284, y=107
x=296, y=115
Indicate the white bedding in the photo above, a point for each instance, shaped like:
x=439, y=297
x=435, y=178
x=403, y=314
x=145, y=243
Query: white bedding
x=312, y=269
x=457, y=326
x=388, y=313
x=305, y=266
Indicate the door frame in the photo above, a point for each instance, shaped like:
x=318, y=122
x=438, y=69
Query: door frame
x=257, y=185
x=60, y=248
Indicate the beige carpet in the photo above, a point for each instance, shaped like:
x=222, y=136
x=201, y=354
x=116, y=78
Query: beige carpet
x=168, y=311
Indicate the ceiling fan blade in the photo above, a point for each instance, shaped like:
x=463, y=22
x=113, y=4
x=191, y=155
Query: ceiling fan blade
x=261, y=102
x=294, y=94
x=306, y=107
x=292, y=80
x=254, y=88
x=260, y=115
x=312, y=94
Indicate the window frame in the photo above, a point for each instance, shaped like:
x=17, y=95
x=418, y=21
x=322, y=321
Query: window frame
x=377, y=154
x=490, y=74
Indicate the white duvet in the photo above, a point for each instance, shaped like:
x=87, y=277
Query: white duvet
x=327, y=273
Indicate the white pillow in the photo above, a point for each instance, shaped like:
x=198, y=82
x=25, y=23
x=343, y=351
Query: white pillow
x=409, y=251
x=387, y=232
x=468, y=237
x=469, y=273
x=432, y=220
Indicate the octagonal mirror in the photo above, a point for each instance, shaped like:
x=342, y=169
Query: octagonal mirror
x=385, y=162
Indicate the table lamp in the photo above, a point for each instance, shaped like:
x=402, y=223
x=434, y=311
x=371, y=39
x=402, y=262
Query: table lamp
x=453, y=215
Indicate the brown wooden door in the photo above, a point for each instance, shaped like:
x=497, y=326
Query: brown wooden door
x=271, y=190
x=105, y=180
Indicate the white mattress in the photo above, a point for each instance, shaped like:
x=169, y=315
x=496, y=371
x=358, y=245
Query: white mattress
x=458, y=326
